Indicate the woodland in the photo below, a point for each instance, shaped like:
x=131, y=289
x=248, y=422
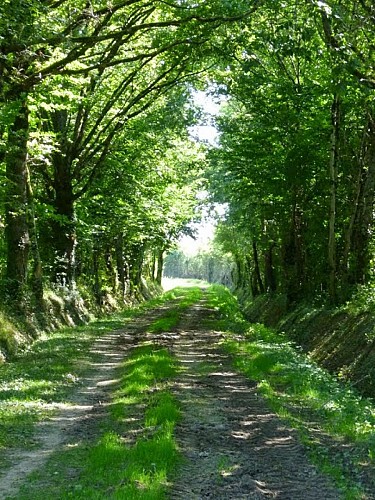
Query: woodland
x=100, y=174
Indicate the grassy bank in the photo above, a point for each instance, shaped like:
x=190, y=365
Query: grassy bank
x=334, y=421
x=340, y=339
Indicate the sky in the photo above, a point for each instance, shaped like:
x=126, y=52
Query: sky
x=203, y=132
x=205, y=235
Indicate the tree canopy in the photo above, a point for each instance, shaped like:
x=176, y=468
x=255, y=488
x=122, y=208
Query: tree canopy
x=296, y=155
x=100, y=174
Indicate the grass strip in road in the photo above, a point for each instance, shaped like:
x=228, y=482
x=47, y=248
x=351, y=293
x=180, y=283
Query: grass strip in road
x=136, y=451
x=183, y=298
x=141, y=469
x=312, y=400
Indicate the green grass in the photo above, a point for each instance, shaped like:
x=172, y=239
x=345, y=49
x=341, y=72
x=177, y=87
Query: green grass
x=297, y=389
x=112, y=467
x=182, y=298
x=45, y=372
x=227, y=313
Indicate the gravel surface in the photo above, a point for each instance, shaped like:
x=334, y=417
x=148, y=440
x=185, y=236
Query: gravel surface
x=235, y=447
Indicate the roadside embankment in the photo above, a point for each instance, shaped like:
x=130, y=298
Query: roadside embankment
x=341, y=339
x=61, y=307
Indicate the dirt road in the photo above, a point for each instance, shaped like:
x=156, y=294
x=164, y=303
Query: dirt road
x=234, y=446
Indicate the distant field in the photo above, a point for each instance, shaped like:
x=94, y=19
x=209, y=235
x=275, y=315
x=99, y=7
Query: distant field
x=169, y=283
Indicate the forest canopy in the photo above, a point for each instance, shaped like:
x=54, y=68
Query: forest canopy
x=100, y=174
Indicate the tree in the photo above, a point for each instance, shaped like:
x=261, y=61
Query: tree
x=293, y=167
x=66, y=38
x=140, y=201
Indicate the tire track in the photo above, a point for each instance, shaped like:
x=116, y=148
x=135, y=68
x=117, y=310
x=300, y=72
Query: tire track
x=235, y=447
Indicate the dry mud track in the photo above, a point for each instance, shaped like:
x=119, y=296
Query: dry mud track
x=234, y=447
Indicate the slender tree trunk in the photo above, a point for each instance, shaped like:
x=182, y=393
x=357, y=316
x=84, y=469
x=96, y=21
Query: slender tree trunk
x=248, y=270
x=96, y=269
x=257, y=267
x=64, y=231
x=120, y=264
x=153, y=266
x=17, y=228
x=348, y=237
x=333, y=174
x=135, y=266
x=110, y=268
x=237, y=275
x=160, y=263
x=293, y=257
x=37, y=275
x=364, y=220
x=269, y=271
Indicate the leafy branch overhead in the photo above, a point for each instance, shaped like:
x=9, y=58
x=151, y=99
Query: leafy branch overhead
x=64, y=37
x=101, y=176
x=85, y=70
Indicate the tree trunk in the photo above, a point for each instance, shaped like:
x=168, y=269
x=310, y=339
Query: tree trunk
x=96, y=269
x=238, y=277
x=120, y=264
x=333, y=173
x=293, y=260
x=37, y=275
x=110, y=269
x=64, y=234
x=135, y=266
x=364, y=220
x=257, y=267
x=349, y=233
x=64, y=225
x=17, y=228
x=160, y=263
x=269, y=271
x=153, y=266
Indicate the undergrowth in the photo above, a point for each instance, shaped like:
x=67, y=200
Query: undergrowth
x=308, y=396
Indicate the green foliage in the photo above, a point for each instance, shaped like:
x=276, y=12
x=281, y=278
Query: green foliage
x=228, y=314
x=107, y=125
x=211, y=265
x=271, y=164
